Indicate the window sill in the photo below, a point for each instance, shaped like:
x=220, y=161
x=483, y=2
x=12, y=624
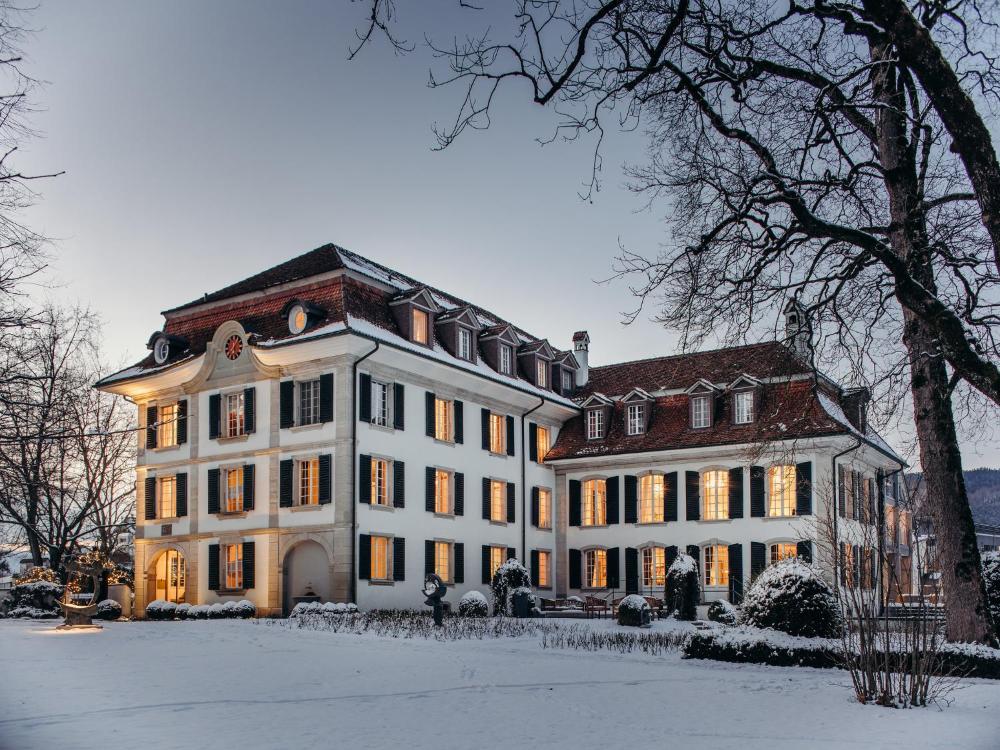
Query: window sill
x=380, y=582
x=306, y=427
x=718, y=520
x=445, y=441
x=592, y=526
x=779, y=518
x=543, y=528
x=164, y=520
x=230, y=592
x=233, y=514
x=438, y=514
x=382, y=427
x=305, y=508
x=498, y=523
x=381, y=507
x=653, y=523
x=501, y=455
x=165, y=448
x=234, y=438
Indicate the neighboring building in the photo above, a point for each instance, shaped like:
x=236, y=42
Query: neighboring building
x=331, y=428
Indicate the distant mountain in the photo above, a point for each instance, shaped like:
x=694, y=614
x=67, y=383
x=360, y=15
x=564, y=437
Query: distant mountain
x=983, y=486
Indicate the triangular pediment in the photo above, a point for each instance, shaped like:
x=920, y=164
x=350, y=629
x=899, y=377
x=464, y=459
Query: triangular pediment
x=504, y=333
x=540, y=348
x=464, y=315
x=419, y=296
x=637, y=394
x=701, y=386
x=744, y=382
x=596, y=399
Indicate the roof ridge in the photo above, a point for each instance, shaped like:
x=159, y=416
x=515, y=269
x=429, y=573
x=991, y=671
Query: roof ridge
x=680, y=355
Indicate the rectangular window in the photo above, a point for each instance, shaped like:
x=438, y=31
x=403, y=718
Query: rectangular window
x=232, y=560
x=544, y=443
x=636, y=422
x=594, y=496
x=443, y=419
x=465, y=343
x=167, y=429
x=234, y=415
x=380, y=558
x=717, y=565
x=380, y=481
x=442, y=560
x=701, y=413
x=595, y=424
x=309, y=481
x=442, y=491
x=498, y=433
x=544, y=559
x=506, y=357
x=654, y=567
x=421, y=333
x=597, y=569
x=567, y=381
x=847, y=564
x=544, y=509
x=232, y=488
x=782, y=550
x=716, y=493
x=309, y=402
x=651, y=498
x=380, y=404
x=168, y=497
x=498, y=500
x=781, y=488
x=542, y=376
x=743, y=407
x=891, y=525
x=497, y=557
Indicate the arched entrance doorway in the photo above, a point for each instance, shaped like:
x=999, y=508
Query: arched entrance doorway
x=170, y=576
x=306, y=570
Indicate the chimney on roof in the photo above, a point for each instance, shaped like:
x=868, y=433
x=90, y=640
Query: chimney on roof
x=854, y=402
x=798, y=330
x=581, y=350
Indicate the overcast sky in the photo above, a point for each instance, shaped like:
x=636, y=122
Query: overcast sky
x=203, y=142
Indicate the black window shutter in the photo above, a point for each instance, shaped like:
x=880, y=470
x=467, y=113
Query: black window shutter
x=326, y=397
x=631, y=502
x=398, y=405
x=758, y=507
x=214, y=415
x=213, y=567
x=735, y=573
x=286, y=399
x=182, y=421
x=670, y=496
x=248, y=565
x=758, y=559
x=150, y=498
x=365, y=479
x=692, y=493
x=804, y=550
x=841, y=491
x=398, y=484
x=486, y=564
x=398, y=558
x=486, y=498
x=613, y=580
x=511, y=553
x=325, y=478
x=151, y=426
x=534, y=568
x=249, y=410
x=486, y=428
x=631, y=570
x=575, y=515
x=248, y=486
x=511, y=502
x=430, y=477
x=671, y=555
x=182, y=494
x=575, y=569
x=534, y=507
x=364, y=557
x=736, y=493
x=285, y=481
x=365, y=398
x=611, y=500
x=533, y=442
x=428, y=556
x=214, y=481
x=459, y=550
x=803, y=489
x=429, y=413
x=459, y=493
x=510, y=435
x=459, y=414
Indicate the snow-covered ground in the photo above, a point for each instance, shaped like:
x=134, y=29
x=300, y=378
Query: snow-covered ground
x=250, y=685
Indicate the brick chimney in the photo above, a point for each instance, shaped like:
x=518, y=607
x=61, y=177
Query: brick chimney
x=581, y=349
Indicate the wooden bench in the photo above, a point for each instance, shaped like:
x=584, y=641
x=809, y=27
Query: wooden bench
x=594, y=606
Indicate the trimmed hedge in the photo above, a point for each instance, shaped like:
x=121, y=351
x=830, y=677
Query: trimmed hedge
x=631, y=609
x=473, y=604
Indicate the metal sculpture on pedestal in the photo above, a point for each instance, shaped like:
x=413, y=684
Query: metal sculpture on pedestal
x=434, y=590
x=81, y=615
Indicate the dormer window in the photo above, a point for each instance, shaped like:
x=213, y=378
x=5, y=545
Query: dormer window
x=542, y=374
x=567, y=381
x=506, y=359
x=743, y=407
x=465, y=344
x=595, y=424
x=701, y=411
x=297, y=319
x=420, y=329
x=636, y=419
x=161, y=350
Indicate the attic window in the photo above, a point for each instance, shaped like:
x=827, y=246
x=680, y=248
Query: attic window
x=297, y=319
x=465, y=343
x=636, y=422
x=701, y=411
x=743, y=407
x=505, y=359
x=542, y=377
x=567, y=381
x=161, y=350
x=595, y=424
x=420, y=329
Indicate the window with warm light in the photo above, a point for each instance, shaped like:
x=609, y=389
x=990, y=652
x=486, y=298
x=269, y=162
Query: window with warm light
x=506, y=359
x=443, y=419
x=743, y=407
x=847, y=564
x=783, y=550
x=498, y=433
x=380, y=558
x=594, y=502
x=595, y=424
x=465, y=343
x=542, y=374
x=544, y=560
x=717, y=565
x=701, y=411
x=651, y=498
x=232, y=561
x=234, y=414
x=781, y=490
x=380, y=404
x=171, y=576
x=716, y=495
x=891, y=525
x=636, y=419
x=308, y=402
x=380, y=481
x=544, y=443
x=168, y=497
x=421, y=332
x=442, y=560
x=309, y=481
x=497, y=557
x=544, y=509
x=596, y=573
x=166, y=431
x=442, y=491
x=654, y=567
x=498, y=500
x=232, y=488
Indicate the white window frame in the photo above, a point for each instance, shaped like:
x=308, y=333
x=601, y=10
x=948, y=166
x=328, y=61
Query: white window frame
x=716, y=571
x=443, y=494
x=715, y=499
x=544, y=508
x=653, y=566
x=444, y=419
x=595, y=494
x=652, y=489
x=542, y=446
x=636, y=421
x=567, y=380
x=498, y=501
x=381, y=403
x=443, y=553
x=232, y=494
x=232, y=570
x=781, y=504
x=381, y=481
x=465, y=343
x=498, y=434
x=743, y=407
x=166, y=429
x=498, y=556
x=541, y=373
x=595, y=424
x=307, y=413
x=162, y=505
x=595, y=568
x=235, y=414
x=774, y=550
x=307, y=481
x=701, y=411
x=506, y=359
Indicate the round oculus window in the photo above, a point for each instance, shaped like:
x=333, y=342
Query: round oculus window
x=297, y=319
x=161, y=350
x=234, y=346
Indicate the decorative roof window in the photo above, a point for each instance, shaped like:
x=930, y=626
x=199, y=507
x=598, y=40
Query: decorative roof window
x=164, y=346
x=638, y=410
x=457, y=331
x=596, y=415
x=564, y=369
x=745, y=399
x=498, y=345
x=414, y=311
x=702, y=398
x=302, y=315
x=535, y=358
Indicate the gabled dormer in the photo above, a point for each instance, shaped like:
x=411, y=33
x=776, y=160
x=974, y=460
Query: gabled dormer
x=499, y=346
x=702, y=396
x=301, y=314
x=745, y=397
x=535, y=360
x=638, y=411
x=596, y=416
x=564, y=369
x=414, y=311
x=458, y=332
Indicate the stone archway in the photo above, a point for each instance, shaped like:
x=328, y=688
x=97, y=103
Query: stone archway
x=306, y=567
x=167, y=576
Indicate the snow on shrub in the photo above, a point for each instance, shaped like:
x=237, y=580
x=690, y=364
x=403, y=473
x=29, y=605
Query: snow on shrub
x=991, y=577
x=183, y=611
x=244, y=609
x=158, y=609
x=326, y=609
x=509, y=576
x=722, y=611
x=630, y=611
x=108, y=609
x=37, y=599
x=33, y=613
x=791, y=596
x=473, y=604
x=198, y=612
x=217, y=611
x=683, y=592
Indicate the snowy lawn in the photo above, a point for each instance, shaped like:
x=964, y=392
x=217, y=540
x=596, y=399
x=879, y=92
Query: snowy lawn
x=252, y=685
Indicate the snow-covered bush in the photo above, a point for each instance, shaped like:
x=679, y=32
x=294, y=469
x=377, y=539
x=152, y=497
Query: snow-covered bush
x=158, y=609
x=473, y=604
x=108, y=609
x=792, y=596
x=244, y=609
x=683, y=592
x=631, y=609
x=991, y=577
x=217, y=611
x=40, y=596
x=325, y=609
x=198, y=612
x=32, y=613
x=183, y=611
x=723, y=612
x=509, y=576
